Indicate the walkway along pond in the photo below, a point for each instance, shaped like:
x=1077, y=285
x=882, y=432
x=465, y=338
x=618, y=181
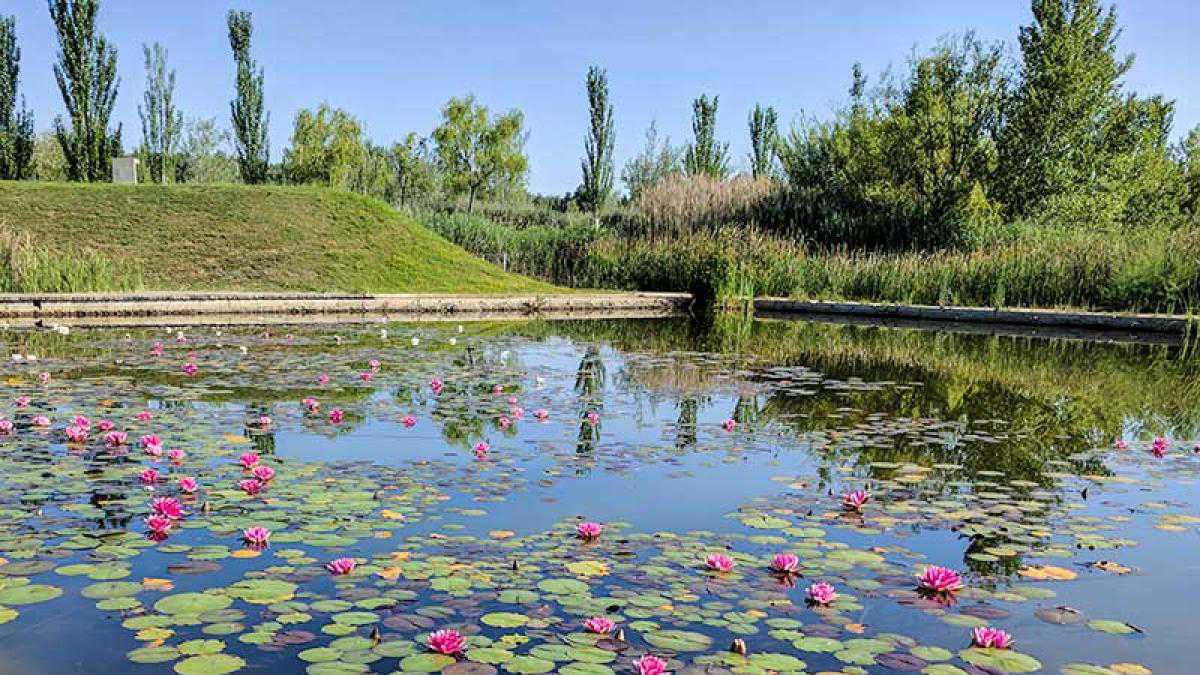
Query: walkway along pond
x=595, y=496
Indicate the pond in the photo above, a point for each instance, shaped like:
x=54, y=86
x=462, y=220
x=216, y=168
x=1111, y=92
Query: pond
x=595, y=497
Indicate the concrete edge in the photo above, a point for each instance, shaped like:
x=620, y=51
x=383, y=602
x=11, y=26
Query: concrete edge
x=67, y=306
x=1176, y=324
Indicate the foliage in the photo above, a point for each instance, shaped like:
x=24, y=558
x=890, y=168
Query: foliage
x=764, y=141
x=86, y=72
x=652, y=164
x=597, y=164
x=250, y=120
x=690, y=206
x=706, y=156
x=327, y=148
x=204, y=155
x=478, y=155
x=49, y=164
x=26, y=267
x=16, y=126
x=414, y=172
x=162, y=124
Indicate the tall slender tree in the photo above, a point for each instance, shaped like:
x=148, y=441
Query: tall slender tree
x=162, y=124
x=706, y=156
x=250, y=120
x=597, y=161
x=16, y=125
x=764, y=138
x=86, y=73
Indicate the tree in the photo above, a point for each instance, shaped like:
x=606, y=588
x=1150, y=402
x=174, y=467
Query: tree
x=478, y=155
x=705, y=156
x=16, y=126
x=86, y=73
x=1189, y=160
x=327, y=147
x=204, y=156
x=412, y=168
x=655, y=162
x=764, y=138
x=597, y=162
x=250, y=121
x=162, y=124
x=1068, y=123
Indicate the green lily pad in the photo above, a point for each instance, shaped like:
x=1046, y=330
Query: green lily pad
x=210, y=664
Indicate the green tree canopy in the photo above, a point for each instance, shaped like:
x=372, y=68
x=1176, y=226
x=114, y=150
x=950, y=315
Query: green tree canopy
x=479, y=155
x=327, y=147
x=706, y=156
x=16, y=125
x=597, y=164
x=250, y=119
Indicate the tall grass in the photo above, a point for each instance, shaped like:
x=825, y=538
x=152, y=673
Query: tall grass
x=26, y=267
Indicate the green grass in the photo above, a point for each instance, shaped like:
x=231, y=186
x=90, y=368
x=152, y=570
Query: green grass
x=234, y=237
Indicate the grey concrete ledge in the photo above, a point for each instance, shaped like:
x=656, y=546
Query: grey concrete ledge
x=44, y=306
x=1050, y=318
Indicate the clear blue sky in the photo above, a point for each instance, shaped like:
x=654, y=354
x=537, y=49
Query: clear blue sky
x=393, y=63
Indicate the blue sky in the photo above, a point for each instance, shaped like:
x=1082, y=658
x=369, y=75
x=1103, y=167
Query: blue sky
x=393, y=63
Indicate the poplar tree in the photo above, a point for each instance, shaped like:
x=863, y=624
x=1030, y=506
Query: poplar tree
x=764, y=136
x=250, y=121
x=597, y=161
x=706, y=156
x=16, y=126
x=86, y=73
x=162, y=124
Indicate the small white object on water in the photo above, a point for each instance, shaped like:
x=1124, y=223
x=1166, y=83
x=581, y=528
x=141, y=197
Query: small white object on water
x=504, y=356
x=540, y=380
x=18, y=357
x=218, y=333
x=382, y=333
x=244, y=349
x=337, y=339
x=460, y=328
x=416, y=341
x=179, y=335
x=453, y=341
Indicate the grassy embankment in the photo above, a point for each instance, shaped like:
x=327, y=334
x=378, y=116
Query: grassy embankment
x=73, y=237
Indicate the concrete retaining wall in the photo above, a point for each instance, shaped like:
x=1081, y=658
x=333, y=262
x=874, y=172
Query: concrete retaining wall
x=64, y=306
x=1156, y=323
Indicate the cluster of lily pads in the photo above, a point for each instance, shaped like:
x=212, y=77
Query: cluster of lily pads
x=358, y=566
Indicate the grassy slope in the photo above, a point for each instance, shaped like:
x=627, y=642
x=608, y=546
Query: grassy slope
x=251, y=238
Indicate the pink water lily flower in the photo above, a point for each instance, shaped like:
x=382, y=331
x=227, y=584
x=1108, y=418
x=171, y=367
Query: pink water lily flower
x=323, y=379
x=41, y=421
x=719, y=562
x=149, y=476
x=588, y=530
x=44, y=377
x=729, y=424
x=855, y=499
x=22, y=401
x=436, y=385
x=167, y=506
x=541, y=414
x=375, y=364
x=940, y=580
x=263, y=421
x=497, y=389
x=310, y=404
x=106, y=425
x=188, y=485
x=650, y=665
x=1121, y=444
x=189, y=369
x=512, y=400
x=1159, y=447
x=250, y=486
x=157, y=349
x=600, y=625
x=6, y=426
x=341, y=566
x=991, y=638
x=821, y=593
x=144, y=416
x=336, y=415
x=366, y=376
x=504, y=422
x=248, y=459
x=76, y=434
x=263, y=473
x=446, y=642
x=785, y=563
x=257, y=536
x=176, y=455
x=481, y=449
x=82, y=422
x=408, y=421
x=593, y=418
x=151, y=444
x=517, y=412
x=159, y=526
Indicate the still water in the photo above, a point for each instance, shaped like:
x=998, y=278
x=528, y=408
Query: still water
x=454, y=464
